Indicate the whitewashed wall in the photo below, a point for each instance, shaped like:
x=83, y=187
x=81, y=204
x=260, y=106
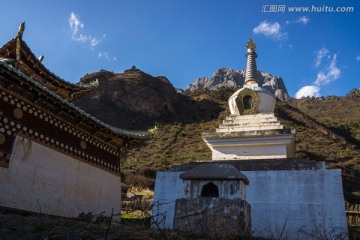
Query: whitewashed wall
x=246, y=152
x=40, y=179
x=289, y=199
x=292, y=200
x=168, y=187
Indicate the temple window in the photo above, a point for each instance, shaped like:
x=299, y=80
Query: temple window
x=247, y=101
x=210, y=190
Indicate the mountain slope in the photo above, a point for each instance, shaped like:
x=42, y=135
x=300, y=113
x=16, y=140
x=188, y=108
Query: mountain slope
x=129, y=99
x=180, y=143
x=136, y=100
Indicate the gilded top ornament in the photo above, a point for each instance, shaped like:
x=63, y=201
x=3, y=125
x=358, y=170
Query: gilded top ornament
x=250, y=45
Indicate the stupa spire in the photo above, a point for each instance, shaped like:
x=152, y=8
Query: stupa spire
x=251, y=70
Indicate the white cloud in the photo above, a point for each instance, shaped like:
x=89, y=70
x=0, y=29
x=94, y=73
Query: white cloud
x=76, y=26
x=358, y=58
x=272, y=30
x=327, y=73
x=308, y=91
x=103, y=55
x=106, y=55
x=320, y=55
x=75, y=23
x=304, y=20
x=80, y=38
x=331, y=73
x=94, y=42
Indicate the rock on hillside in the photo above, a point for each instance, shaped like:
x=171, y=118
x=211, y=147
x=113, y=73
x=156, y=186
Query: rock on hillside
x=230, y=78
x=354, y=93
x=128, y=99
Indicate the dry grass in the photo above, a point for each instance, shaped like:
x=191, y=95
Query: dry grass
x=21, y=226
x=24, y=226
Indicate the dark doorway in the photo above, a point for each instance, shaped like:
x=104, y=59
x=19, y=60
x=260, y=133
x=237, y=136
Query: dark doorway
x=247, y=100
x=210, y=190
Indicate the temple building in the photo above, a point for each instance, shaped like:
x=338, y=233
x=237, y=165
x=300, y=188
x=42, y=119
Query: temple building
x=285, y=197
x=54, y=157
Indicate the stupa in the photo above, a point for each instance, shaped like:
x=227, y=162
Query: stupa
x=251, y=131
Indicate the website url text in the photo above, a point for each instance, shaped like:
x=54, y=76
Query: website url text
x=323, y=8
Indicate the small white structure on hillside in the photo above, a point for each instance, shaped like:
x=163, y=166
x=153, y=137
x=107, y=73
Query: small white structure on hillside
x=215, y=201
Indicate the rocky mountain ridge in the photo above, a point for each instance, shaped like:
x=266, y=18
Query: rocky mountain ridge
x=354, y=93
x=136, y=100
x=128, y=99
x=230, y=78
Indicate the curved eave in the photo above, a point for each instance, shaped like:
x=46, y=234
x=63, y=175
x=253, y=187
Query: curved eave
x=214, y=171
x=108, y=128
x=79, y=90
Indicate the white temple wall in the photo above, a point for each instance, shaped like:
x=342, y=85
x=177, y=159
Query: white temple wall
x=283, y=198
x=295, y=199
x=40, y=179
x=168, y=187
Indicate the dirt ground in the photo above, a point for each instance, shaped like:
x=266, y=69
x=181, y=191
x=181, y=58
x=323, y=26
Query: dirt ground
x=16, y=225
x=24, y=226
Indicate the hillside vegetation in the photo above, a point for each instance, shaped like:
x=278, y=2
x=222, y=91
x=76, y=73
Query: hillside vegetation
x=328, y=129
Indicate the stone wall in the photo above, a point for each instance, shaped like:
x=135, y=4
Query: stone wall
x=40, y=179
x=216, y=217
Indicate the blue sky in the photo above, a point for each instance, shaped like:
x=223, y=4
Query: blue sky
x=316, y=53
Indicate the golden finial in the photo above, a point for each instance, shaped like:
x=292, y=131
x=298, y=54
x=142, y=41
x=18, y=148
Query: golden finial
x=250, y=45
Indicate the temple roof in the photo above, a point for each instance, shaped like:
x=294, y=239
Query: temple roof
x=17, y=52
x=17, y=58
x=214, y=171
x=113, y=130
